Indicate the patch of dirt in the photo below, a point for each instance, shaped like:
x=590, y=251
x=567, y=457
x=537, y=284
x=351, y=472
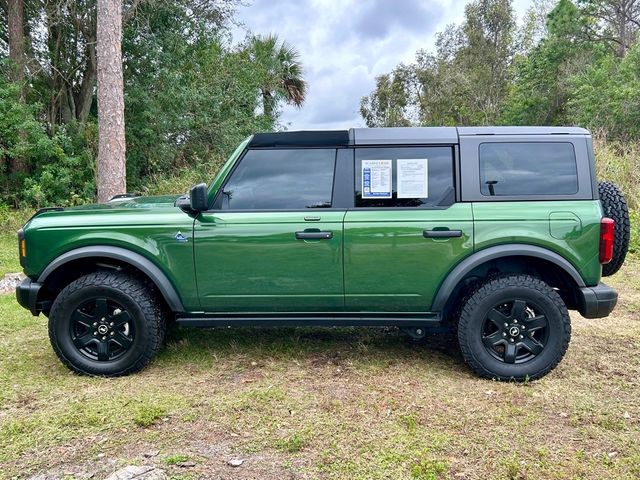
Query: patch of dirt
x=210, y=453
x=10, y=281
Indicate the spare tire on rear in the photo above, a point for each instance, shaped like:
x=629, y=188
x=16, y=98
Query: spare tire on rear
x=615, y=207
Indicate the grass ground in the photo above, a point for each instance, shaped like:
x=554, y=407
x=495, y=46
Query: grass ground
x=323, y=403
x=9, y=262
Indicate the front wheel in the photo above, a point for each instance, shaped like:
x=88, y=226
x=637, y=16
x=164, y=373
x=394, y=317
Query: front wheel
x=106, y=323
x=513, y=327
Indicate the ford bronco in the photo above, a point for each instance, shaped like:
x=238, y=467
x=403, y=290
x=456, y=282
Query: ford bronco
x=491, y=232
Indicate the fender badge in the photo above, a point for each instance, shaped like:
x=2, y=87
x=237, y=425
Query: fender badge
x=180, y=238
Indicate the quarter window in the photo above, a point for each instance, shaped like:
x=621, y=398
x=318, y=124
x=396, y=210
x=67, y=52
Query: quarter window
x=280, y=180
x=510, y=169
x=420, y=177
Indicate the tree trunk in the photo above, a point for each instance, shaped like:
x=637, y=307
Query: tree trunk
x=85, y=95
x=111, y=178
x=268, y=103
x=15, y=14
x=16, y=40
x=622, y=20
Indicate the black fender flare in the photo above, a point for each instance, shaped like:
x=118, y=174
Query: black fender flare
x=492, y=253
x=134, y=259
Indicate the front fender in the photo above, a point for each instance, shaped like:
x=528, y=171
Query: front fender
x=134, y=259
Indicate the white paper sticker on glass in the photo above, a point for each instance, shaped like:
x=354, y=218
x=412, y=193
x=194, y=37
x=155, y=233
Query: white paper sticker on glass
x=413, y=178
x=376, y=178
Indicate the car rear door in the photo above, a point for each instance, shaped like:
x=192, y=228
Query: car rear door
x=273, y=240
x=406, y=231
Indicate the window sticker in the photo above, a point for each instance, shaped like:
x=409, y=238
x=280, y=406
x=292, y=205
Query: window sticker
x=376, y=178
x=413, y=178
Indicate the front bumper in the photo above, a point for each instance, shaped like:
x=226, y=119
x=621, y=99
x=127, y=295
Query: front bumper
x=27, y=295
x=596, y=302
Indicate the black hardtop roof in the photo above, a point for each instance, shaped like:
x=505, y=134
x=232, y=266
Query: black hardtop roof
x=395, y=135
x=309, y=138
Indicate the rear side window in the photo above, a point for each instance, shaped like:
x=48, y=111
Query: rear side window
x=280, y=180
x=420, y=177
x=508, y=169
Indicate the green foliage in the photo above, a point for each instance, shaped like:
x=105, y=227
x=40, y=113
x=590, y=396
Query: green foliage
x=410, y=421
x=576, y=75
x=190, y=99
x=606, y=96
x=39, y=169
x=176, y=458
x=147, y=414
x=292, y=444
x=23, y=140
x=278, y=70
x=542, y=83
x=388, y=104
x=429, y=469
x=70, y=178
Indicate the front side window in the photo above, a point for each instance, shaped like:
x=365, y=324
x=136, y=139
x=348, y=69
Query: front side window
x=532, y=168
x=280, y=180
x=420, y=177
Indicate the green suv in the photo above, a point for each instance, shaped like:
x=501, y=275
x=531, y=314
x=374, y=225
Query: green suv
x=492, y=233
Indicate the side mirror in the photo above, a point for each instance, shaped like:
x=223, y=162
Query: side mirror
x=198, y=198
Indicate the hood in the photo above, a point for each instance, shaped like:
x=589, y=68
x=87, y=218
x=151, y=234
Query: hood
x=160, y=201
x=122, y=211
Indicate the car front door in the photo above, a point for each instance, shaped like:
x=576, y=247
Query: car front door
x=273, y=241
x=406, y=231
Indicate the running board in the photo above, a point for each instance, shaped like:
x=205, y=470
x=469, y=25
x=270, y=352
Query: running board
x=293, y=320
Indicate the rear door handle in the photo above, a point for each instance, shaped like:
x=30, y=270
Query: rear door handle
x=442, y=233
x=314, y=235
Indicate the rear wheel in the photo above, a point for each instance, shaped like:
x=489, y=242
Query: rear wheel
x=615, y=207
x=106, y=323
x=514, y=327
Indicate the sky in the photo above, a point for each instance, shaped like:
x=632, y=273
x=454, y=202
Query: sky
x=345, y=44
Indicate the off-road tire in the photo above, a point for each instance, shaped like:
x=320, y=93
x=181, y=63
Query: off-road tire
x=501, y=290
x=141, y=303
x=615, y=207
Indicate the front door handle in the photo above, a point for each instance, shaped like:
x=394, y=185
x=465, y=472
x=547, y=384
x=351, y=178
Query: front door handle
x=314, y=235
x=442, y=233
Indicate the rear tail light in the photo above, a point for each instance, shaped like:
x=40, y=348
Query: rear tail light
x=607, y=231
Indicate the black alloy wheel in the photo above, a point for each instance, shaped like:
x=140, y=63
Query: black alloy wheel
x=515, y=332
x=101, y=329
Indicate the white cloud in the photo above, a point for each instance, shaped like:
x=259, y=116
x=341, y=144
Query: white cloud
x=345, y=44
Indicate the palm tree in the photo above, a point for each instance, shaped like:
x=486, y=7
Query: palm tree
x=281, y=70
